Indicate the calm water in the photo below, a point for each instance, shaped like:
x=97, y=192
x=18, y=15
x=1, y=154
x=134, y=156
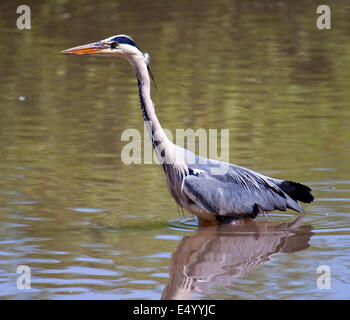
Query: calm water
x=89, y=226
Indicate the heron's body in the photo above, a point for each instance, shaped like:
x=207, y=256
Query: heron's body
x=210, y=189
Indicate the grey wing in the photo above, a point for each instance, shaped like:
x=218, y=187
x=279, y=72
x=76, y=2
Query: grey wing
x=237, y=192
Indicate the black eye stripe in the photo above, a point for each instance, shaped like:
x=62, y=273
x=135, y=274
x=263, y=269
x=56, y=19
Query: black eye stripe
x=125, y=40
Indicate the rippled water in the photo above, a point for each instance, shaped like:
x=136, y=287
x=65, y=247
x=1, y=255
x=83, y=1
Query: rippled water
x=89, y=226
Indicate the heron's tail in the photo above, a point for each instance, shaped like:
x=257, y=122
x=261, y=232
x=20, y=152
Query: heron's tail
x=297, y=191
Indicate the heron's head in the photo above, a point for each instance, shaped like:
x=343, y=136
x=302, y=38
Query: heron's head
x=120, y=45
x=117, y=46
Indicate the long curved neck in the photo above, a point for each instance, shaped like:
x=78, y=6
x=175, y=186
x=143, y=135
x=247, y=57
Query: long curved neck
x=155, y=130
x=172, y=162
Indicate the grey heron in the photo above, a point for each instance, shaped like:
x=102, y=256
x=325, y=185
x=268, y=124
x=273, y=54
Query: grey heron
x=212, y=190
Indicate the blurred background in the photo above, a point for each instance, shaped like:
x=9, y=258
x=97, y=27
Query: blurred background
x=90, y=226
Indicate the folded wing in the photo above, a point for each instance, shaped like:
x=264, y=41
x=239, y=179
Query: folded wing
x=236, y=193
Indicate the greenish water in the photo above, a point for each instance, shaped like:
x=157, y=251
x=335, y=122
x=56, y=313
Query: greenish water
x=91, y=227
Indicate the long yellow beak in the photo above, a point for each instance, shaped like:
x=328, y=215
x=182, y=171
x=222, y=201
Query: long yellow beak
x=90, y=48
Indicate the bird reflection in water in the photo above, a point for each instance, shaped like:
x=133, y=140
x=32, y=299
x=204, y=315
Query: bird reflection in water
x=218, y=253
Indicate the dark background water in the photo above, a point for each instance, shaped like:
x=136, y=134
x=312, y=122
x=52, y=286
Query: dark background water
x=90, y=226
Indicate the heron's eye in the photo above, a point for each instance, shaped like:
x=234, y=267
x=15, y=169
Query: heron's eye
x=114, y=44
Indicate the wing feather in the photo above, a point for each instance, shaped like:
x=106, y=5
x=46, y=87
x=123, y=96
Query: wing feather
x=237, y=192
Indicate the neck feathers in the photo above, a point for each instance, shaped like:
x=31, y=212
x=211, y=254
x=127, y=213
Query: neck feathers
x=155, y=130
x=168, y=154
